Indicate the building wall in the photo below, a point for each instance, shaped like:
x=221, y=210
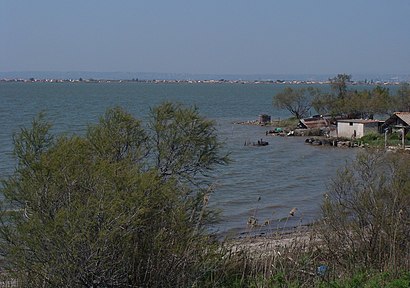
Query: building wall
x=346, y=129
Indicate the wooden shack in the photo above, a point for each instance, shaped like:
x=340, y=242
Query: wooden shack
x=264, y=119
x=357, y=128
x=398, y=120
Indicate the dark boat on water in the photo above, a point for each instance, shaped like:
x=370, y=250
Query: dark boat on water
x=261, y=143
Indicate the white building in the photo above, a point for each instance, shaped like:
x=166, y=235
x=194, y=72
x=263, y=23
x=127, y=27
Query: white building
x=357, y=128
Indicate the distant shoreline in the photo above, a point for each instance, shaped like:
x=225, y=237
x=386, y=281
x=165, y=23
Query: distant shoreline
x=220, y=81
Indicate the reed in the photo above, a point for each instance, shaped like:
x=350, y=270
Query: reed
x=361, y=240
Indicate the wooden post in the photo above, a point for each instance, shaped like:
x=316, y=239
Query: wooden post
x=385, y=138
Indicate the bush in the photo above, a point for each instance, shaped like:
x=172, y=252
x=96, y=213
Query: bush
x=372, y=137
x=122, y=206
x=366, y=216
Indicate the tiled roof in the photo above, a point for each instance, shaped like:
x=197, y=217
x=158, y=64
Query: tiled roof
x=363, y=121
x=405, y=116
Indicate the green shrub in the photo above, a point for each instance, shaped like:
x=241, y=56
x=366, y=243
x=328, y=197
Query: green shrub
x=122, y=206
x=372, y=137
x=366, y=216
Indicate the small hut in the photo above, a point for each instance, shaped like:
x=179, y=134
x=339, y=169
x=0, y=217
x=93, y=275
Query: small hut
x=264, y=119
x=357, y=128
x=398, y=120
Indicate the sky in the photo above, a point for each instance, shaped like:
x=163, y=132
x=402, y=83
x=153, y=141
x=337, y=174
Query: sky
x=206, y=37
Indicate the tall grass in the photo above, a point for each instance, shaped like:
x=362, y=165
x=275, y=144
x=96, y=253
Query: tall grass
x=362, y=239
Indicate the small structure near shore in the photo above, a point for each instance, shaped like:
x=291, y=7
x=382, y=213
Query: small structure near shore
x=357, y=128
x=317, y=125
x=317, y=121
x=264, y=119
x=398, y=122
x=398, y=119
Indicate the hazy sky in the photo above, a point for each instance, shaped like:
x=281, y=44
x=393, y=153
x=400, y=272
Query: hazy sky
x=212, y=36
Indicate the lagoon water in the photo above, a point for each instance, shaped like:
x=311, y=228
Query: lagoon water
x=285, y=174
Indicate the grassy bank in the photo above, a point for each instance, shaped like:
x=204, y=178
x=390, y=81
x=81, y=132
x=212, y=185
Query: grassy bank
x=299, y=259
x=378, y=140
x=361, y=240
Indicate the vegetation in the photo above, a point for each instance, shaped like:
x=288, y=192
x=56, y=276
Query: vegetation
x=362, y=239
x=343, y=102
x=355, y=104
x=287, y=123
x=402, y=99
x=339, y=84
x=366, y=216
x=296, y=101
x=122, y=206
x=377, y=140
x=125, y=205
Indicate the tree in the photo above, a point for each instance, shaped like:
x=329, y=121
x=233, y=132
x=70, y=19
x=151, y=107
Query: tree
x=323, y=103
x=339, y=84
x=336, y=103
x=111, y=208
x=365, y=104
x=352, y=104
x=366, y=216
x=402, y=98
x=297, y=101
x=380, y=101
x=183, y=143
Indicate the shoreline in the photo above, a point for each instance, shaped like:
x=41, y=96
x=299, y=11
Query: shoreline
x=204, y=81
x=268, y=243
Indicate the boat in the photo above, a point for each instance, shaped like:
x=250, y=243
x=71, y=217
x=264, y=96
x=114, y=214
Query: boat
x=261, y=143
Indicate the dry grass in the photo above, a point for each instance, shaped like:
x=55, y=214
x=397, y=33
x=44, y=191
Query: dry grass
x=282, y=258
x=363, y=235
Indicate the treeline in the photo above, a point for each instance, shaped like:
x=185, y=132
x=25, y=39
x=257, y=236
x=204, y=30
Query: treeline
x=342, y=101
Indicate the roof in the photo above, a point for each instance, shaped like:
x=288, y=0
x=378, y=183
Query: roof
x=404, y=116
x=318, y=122
x=361, y=121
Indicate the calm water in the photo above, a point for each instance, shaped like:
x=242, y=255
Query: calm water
x=285, y=174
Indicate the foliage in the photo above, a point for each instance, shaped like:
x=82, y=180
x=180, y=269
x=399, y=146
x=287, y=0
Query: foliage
x=377, y=140
x=373, y=140
x=184, y=145
x=119, y=207
x=286, y=123
x=402, y=98
x=339, y=84
x=355, y=104
x=296, y=101
x=372, y=280
x=366, y=214
x=324, y=103
x=362, y=241
x=342, y=101
x=271, y=266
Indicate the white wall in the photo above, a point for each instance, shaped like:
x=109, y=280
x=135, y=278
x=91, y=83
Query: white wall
x=345, y=129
